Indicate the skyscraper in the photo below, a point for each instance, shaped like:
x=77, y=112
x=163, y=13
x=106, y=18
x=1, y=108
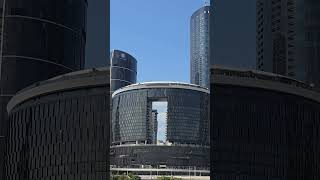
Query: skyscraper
x=288, y=38
x=199, y=47
x=39, y=39
x=123, y=69
x=154, y=126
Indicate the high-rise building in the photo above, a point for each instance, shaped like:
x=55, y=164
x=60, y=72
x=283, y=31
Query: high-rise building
x=153, y=126
x=199, y=47
x=39, y=39
x=123, y=69
x=288, y=38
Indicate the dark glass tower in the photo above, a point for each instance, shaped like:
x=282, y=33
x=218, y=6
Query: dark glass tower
x=123, y=70
x=288, y=38
x=199, y=48
x=39, y=39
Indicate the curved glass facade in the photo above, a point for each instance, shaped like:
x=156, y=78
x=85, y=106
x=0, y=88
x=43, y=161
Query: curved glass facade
x=123, y=70
x=42, y=39
x=39, y=40
x=199, y=47
x=187, y=126
x=63, y=134
x=187, y=115
x=258, y=133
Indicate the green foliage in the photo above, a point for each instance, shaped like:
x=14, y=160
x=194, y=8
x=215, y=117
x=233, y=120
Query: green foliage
x=167, y=178
x=134, y=177
x=126, y=177
x=122, y=177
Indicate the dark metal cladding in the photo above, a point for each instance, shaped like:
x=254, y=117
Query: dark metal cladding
x=59, y=128
x=263, y=126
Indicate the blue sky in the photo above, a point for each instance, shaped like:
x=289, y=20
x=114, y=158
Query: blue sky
x=156, y=33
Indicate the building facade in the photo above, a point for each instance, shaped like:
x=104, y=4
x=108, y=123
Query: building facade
x=199, y=47
x=39, y=39
x=288, y=38
x=98, y=34
x=186, y=122
x=123, y=70
x=263, y=126
x=232, y=33
x=59, y=128
x=187, y=118
x=155, y=156
x=154, y=126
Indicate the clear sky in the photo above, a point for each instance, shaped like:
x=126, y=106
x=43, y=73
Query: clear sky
x=156, y=33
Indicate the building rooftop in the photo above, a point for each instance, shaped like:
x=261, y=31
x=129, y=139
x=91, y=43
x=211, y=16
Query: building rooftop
x=162, y=84
x=74, y=80
x=263, y=80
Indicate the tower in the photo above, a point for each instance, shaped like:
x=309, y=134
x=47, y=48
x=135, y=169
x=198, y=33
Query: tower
x=199, y=47
x=288, y=38
x=123, y=69
x=39, y=40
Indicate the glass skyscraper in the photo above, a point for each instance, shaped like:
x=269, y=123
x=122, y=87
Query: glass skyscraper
x=123, y=70
x=199, y=47
x=39, y=40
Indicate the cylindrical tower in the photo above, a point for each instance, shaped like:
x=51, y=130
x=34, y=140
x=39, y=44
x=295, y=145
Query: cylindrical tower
x=59, y=128
x=123, y=70
x=39, y=39
x=199, y=47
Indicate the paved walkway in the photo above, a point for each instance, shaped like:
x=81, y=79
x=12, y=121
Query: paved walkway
x=181, y=177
